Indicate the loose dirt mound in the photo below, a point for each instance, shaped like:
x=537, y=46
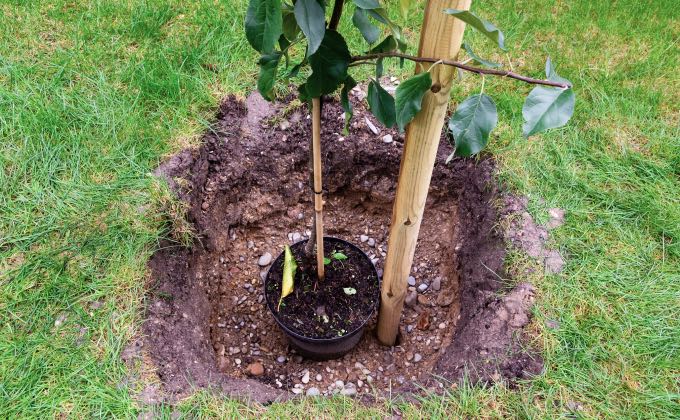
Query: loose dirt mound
x=248, y=193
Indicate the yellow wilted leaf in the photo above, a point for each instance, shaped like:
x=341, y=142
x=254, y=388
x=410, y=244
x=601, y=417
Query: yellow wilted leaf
x=289, y=268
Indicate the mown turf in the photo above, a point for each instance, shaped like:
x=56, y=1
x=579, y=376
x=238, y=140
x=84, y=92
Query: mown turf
x=94, y=94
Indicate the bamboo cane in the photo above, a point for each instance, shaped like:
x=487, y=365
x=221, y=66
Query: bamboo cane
x=441, y=36
x=318, y=186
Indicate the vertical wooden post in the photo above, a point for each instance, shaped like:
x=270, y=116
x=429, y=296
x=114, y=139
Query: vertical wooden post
x=318, y=186
x=441, y=36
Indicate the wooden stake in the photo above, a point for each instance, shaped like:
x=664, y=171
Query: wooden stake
x=441, y=37
x=318, y=186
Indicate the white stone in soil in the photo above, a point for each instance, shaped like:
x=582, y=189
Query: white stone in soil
x=371, y=242
x=349, y=391
x=281, y=359
x=422, y=287
x=387, y=138
x=296, y=237
x=371, y=126
x=313, y=392
x=417, y=358
x=305, y=378
x=265, y=259
x=437, y=283
x=297, y=390
x=442, y=325
x=363, y=238
x=339, y=384
x=411, y=281
x=319, y=378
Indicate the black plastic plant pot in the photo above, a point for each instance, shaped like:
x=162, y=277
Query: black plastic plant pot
x=325, y=348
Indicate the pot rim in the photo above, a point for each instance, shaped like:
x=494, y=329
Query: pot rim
x=299, y=336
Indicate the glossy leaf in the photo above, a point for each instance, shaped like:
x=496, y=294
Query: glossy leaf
x=263, y=24
x=410, y=97
x=311, y=18
x=369, y=31
x=387, y=45
x=269, y=64
x=548, y=107
x=482, y=25
x=471, y=124
x=289, y=269
x=479, y=59
x=367, y=4
x=346, y=104
x=339, y=256
x=290, y=26
x=326, y=260
x=329, y=65
x=381, y=104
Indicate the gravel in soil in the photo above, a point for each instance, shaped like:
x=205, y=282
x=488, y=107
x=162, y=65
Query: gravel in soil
x=248, y=192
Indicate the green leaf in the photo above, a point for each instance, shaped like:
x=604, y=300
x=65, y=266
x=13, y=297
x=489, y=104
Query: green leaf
x=552, y=75
x=349, y=291
x=369, y=31
x=329, y=65
x=367, y=4
x=379, y=68
x=290, y=26
x=478, y=59
x=410, y=96
x=381, y=104
x=387, y=45
x=482, y=25
x=404, y=5
x=346, y=104
x=548, y=107
x=339, y=256
x=289, y=268
x=268, y=67
x=471, y=124
x=311, y=18
x=326, y=260
x=263, y=24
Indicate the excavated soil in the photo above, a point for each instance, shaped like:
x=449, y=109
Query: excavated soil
x=247, y=189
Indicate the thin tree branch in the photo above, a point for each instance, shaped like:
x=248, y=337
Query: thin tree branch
x=502, y=73
x=337, y=13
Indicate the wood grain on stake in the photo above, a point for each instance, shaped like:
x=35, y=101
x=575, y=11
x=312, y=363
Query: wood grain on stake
x=318, y=185
x=441, y=36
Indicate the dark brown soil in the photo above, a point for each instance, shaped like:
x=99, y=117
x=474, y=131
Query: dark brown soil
x=323, y=309
x=207, y=322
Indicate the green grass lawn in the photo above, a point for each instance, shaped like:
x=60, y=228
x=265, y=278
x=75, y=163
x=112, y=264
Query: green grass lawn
x=93, y=95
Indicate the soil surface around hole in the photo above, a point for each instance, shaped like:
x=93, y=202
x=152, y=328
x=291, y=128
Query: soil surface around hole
x=334, y=307
x=247, y=187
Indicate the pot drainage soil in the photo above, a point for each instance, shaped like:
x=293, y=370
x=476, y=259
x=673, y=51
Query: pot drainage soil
x=207, y=322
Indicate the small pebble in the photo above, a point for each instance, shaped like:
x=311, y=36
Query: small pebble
x=387, y=138
x=417, y=358
x=437, y=283
x=319, y=377
x=363, y=238
x=265, y=259
x=281, y=359
x=371, y=242
x=371, y=126
x=411, y=281
x=422, y=287
x=411, y=298
x=305, y=378
x=313, y=392
x=442, y=325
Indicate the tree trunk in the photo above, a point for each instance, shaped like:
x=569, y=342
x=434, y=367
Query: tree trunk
x=441, y=36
